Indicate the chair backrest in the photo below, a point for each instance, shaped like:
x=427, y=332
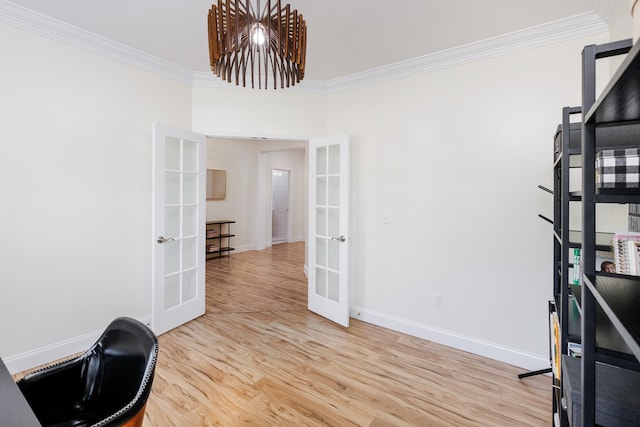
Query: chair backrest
x=106, y=386
x=119, y=370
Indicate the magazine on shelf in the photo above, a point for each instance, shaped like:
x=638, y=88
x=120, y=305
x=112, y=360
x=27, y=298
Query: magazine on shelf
x=626, y=249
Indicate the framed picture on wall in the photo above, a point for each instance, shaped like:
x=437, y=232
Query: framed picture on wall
x=216, y=184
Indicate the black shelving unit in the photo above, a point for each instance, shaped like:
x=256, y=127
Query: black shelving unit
x=607, y=299
x=218, y=239
x=567, y=141
x=610, y=324
x=567, y=156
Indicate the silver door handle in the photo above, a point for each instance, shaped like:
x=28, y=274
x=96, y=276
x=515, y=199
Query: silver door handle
x=339, y=239
x=161, y=239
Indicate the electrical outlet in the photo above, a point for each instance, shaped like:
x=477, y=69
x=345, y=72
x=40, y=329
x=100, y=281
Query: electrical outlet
x=439, y=301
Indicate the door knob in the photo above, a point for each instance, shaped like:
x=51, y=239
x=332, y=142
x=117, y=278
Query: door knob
x=339, y=239
x=162, y=239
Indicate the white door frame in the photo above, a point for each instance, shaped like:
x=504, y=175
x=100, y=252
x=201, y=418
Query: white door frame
x=263, y=195
x=262, y=192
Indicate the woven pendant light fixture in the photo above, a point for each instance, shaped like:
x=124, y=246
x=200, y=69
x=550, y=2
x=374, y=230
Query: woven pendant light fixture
x=266, y=46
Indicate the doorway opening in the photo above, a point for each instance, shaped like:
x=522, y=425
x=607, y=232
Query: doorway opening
x=280, y=190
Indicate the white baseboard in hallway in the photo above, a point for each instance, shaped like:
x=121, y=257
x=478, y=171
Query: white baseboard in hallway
x=493, y=351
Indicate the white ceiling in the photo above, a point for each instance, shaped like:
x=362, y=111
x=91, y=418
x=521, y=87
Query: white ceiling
x=345, y=37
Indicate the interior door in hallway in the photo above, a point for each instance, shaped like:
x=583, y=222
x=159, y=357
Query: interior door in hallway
x=328, y=241
x=279, y=205
x=178, y=224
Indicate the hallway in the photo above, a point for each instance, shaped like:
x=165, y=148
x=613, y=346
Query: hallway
x=258, y=281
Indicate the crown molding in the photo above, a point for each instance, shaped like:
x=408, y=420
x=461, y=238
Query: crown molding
x=533, y=37
x=552, y=32
x=53, y=29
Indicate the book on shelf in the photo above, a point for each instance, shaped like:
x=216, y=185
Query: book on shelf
x=626, y=250
x=576, y=266
x=632, y=248
x=554, y=324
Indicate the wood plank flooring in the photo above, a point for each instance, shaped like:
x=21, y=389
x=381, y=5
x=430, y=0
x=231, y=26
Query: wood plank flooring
x=259, y=358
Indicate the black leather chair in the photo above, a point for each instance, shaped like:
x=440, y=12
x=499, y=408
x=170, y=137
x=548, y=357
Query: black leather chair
x=107, y=386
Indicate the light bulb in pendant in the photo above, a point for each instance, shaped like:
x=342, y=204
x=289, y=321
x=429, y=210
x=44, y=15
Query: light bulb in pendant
x=258, y=35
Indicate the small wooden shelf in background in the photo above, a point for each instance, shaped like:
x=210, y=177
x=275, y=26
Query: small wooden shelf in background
x=218, y=239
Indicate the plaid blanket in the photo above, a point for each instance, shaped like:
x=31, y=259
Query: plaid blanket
x=619, y=169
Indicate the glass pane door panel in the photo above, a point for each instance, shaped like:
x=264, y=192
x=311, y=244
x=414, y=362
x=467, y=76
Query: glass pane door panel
x=178, y=215
x=171, y=222
x=334, y=159
x=321, y=281
x=321, y=161
x=333, y=286
x=171, y=257
x=190, y=156
x=334, y=191
x=189, y=253
x=172, y=188
x=189, y=221
x=171, y=291
x=321, y=221
x=321, y=192
x=334, y=222
x=321, y=251
x=334, y=254
x=189, y=285
x=190, y=188
x=172, y=153
x=329, y=234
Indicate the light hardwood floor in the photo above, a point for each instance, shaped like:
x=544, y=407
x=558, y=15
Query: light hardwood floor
x=259, y=358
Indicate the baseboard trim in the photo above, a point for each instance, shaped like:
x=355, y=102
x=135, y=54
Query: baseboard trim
x=47, y=354
x=243, y=248
x=56, y=351
x=493, y=351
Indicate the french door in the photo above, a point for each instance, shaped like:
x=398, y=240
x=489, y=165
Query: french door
x=328, y=241
x=178, y=224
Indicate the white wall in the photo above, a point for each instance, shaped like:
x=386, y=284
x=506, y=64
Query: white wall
x=258, y=113
x=454, y=158
x=75, y=182
x=239, y=158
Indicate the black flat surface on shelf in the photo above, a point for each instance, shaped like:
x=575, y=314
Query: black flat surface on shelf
x=603, y=240
x=611, y=195
x=607, y=137
x=608, y=339
x=617, y=402
x=620, y=100
x=618, y=296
